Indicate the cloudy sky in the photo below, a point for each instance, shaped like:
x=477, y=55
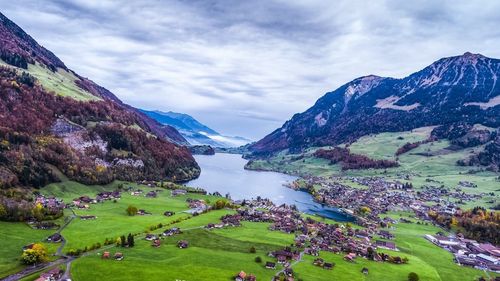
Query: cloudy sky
x=244, y=67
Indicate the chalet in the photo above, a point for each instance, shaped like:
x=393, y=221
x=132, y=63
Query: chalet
x=151, y=237
x=386, y=245
x=119, y=256
x=182, y=244
x=151, y=194
x=136, y=193
x=350, y=257
x=156, y=243
x=328, y=265
x=384, y=234
x=241, y=276
x=51, y=275
x=88, y=218
x=171, y=231
x=28, y=247
x=105, y=255
x=168, y=213
x=318, y=262
x=178, y=192
x=288, y=272
x=55, y=238
x=270, y=265
x=142, y=212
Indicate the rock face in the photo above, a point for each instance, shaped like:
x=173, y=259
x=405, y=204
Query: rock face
x=93, y=141
x=455, y=89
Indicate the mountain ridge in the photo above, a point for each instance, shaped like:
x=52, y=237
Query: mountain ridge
x=194, y=131
x=53, y=118
x=453, y=89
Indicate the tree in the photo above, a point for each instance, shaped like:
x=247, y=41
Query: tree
x=3, y=211
x=219, y=204
x=412, y=276
x=123, y=241
x=130, y=240
x=252, y=250
x=37, y=254
x=258, y=259
x=38, y=212
x=131, y=210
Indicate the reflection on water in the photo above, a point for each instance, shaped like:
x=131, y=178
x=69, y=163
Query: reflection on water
x=225, y=173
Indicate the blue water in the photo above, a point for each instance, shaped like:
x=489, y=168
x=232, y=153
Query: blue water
x=225, y=173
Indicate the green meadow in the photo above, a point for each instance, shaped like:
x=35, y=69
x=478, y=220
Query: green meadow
x=430, y=161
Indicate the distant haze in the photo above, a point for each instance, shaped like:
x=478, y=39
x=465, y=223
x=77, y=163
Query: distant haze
x=245, y=67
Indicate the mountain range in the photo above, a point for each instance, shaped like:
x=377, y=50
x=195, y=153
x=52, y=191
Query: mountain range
x=451, y=91
x=54, y=121
x=195, y=132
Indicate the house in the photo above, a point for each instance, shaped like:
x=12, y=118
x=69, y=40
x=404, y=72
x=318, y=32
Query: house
x=28, y=247
x=55, y=238
x=156, y=243
x=270, y=265
x=350, y=257
x=51, y=275
x=328, y=265
x=168, y=213
x=151, y=237
x=182, y=244
x=88, y=218
x=241, y=276
x=118, y=256
x=364, y=270
x=105, y=255
x=142, y=212
x=172, y=231
x=386, y=245
x=251, y=277
x=151, y=194
x=319, y=262
x=178, y=192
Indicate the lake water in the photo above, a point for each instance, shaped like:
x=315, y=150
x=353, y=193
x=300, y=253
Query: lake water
x=225, y=173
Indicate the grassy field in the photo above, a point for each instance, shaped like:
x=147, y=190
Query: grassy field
x=13, y=236
x=61, y=82
x=216, y=254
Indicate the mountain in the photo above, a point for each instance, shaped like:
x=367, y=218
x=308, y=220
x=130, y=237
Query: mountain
x=194, y=131
x=54, y=121
x=460, y=89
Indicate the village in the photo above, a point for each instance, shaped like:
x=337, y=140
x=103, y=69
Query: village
x=367, y=205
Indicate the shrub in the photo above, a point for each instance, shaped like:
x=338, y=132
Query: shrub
x=412, y=276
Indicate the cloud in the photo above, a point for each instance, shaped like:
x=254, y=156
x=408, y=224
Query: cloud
x=245, y=67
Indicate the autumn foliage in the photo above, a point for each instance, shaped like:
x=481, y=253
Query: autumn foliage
x=350, y=160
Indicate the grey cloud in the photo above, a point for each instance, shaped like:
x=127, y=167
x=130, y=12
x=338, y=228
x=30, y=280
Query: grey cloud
x=245, y=67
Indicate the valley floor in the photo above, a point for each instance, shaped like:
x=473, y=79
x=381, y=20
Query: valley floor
x=217, y=254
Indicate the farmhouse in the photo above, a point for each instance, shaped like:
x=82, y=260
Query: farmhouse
x=88, y=218
x=118, y=256
x=386, y=245
x=182, y=244
x=55, y=238
x=172, y=231
x=168, y=213
x=151, y=237
x=156, y=243
x=270, y=265
x=178, y=192
x=51, y=275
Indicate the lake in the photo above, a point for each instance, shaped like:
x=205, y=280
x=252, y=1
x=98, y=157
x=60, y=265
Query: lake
x=225, y=173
